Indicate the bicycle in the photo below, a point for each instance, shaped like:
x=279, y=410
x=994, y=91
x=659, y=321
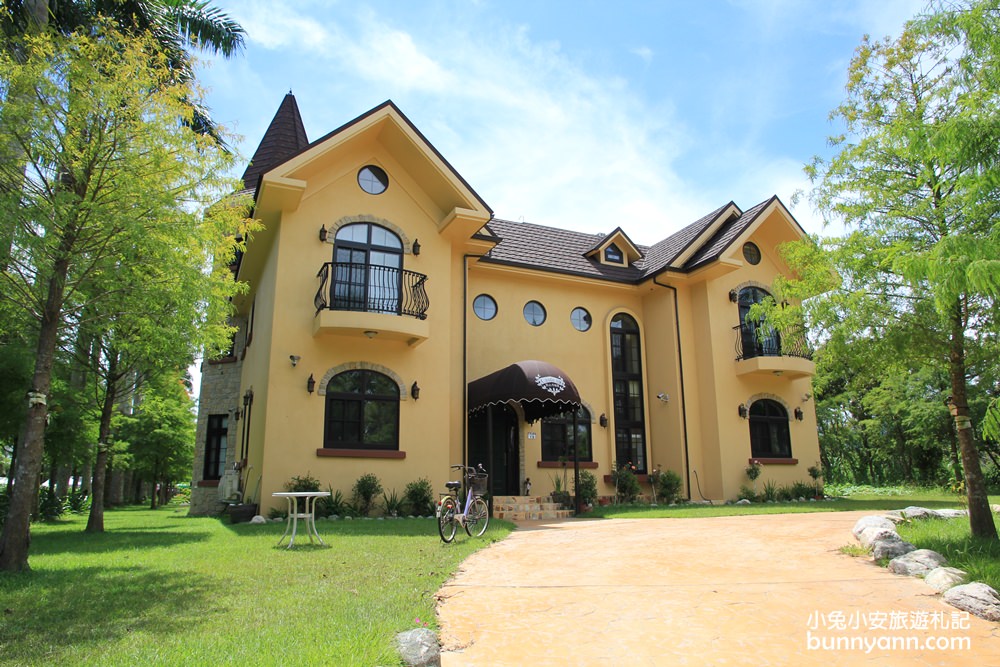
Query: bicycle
x=476, y=516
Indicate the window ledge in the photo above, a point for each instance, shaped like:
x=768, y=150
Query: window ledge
x=208, y=482
x=568, y=464
x=362, y=453
x=773, y=462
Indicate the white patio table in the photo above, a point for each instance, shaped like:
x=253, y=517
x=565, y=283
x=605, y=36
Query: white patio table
x=308, y=513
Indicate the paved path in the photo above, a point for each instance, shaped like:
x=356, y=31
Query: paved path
x=749, y=590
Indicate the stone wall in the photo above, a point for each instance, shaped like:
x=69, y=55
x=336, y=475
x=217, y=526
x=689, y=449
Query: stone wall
x=220, y=394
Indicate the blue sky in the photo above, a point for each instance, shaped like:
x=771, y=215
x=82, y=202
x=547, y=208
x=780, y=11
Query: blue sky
x=583, y=115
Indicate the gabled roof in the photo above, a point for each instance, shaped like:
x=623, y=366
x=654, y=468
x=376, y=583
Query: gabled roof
x=284, y=137
x=563, y=251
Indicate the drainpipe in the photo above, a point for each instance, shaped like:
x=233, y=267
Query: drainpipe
x=680, y=367
x=465, y=360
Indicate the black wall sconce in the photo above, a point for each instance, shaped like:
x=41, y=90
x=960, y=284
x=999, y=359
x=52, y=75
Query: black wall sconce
x=734, y=296
x=603, y=421
x=311, y=384
x=743, y=410
x=323, y=234
x=798, y=414
x=415, y=390
x=416, y=247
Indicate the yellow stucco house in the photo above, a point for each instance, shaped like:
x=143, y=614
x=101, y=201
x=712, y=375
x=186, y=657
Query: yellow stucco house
x=391, y=317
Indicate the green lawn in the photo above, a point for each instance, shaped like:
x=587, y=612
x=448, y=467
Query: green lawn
x=159, y=587
x=953, y=540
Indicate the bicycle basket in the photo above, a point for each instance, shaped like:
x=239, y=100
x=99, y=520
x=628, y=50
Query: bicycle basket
x=479, y=483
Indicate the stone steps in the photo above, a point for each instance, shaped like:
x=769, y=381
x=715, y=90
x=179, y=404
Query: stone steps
x=528, y=508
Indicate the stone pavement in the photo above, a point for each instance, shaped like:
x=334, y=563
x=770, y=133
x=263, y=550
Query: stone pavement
x=747, y=590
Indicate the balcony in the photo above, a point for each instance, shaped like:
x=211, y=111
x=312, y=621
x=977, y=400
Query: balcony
x=758, y=351
x=372, y=301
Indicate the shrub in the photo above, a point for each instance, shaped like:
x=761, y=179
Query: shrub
x=304, y=483
x=51, y=506
x=334, y=504
x=277, y=513
x=78, y=502
x=626, y=484
x=181, y=496
x=588, y=487
x=753, y=470
x=746, y=493
x=770, y=491
x=392, y=504
x=803, y=490
x=419, y=497
x=668, y=487
x=365, y=490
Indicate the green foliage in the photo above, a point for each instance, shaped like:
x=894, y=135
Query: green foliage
x=952, y=538
x=78, y=502
x=770, y=491
x=753, y=470
x=304, y=482
x=392, y=504
x=746, y=493
x=364, y=492
x=419, y=497
x=588, y=487
x=668, y=487
x=50, y=506
x=627, y=487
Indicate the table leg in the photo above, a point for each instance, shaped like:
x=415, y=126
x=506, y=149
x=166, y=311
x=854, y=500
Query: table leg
x=312, y=522
x=288, y=521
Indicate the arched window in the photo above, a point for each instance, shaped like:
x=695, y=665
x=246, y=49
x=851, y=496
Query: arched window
x=368, y=263
x=769, y=437
x=626, y=376
x=757, y=339
x=362, y=411
x=559, y=437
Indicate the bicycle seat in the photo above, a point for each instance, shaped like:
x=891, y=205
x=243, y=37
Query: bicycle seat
x=454, y=486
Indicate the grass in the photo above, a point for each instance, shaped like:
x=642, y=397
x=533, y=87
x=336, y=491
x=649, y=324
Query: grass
x=159, y=587
x=952, y=539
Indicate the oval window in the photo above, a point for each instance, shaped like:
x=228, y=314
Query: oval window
x=373, y=180
x=751, y=253
x=484, y=307
x=580, y=319
x=534, y=313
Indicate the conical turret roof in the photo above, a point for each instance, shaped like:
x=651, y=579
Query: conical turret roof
x=284, y=137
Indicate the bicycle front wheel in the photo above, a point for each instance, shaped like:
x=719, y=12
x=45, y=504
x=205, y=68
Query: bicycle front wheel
x=447, y=525
x=477, y=517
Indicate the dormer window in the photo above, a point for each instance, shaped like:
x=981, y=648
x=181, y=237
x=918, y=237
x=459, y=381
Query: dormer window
x=613, y=255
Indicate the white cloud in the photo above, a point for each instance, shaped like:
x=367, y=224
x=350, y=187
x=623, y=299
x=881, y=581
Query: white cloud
x=644, y=52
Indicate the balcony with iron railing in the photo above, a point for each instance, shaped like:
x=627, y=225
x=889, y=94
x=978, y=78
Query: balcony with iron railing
x=374, y=301
x=763, y=350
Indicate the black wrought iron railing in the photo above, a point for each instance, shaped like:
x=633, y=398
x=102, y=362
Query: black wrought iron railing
x=757, y=341
x=371, y=289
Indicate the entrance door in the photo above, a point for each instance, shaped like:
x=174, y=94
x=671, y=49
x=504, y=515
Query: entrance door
x=504, y=466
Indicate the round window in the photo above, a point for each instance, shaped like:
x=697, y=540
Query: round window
x=534, y=313
x=580, y=319
x=484, y=307
x=751, y=253
x=373, y=180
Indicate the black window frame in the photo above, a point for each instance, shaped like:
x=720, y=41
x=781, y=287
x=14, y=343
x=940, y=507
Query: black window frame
x=353, y=407
x=613, y=254
x=363, y=286
x=757, y=339
x=485, y=298
x=216, y=443
x=585, y=318
x=629, y=392
x=770, y=435
x=541, y=308
x=557, y=431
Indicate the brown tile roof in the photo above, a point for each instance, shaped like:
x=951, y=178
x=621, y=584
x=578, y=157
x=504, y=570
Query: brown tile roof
x=563, y=251
x=284, y=137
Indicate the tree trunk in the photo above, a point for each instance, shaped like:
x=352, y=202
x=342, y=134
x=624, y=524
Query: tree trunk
x=16, y=535
x=95, y=521
x=980, y=517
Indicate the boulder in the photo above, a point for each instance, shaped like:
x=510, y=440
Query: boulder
x=943, y=578
x=917, y=563
x=870, y=536
x=419, y=648
x=742, y=501
x=920, y=513
x=891, y=548
x=872, y=521
x=258, y=519
x=976, y=598
x=952, y=514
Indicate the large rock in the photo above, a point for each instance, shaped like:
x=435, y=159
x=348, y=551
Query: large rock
x=891, y=548
x=872, y=521
x=917, y=563
x=870, y=536
x=920, y=513
x=419, y=648
x=952, y=514
x=943, y=578
x=975, y=598
x=258, y=519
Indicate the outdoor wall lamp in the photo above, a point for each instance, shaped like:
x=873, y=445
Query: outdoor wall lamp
x=311, y=384
x=734, y=295
x=323, y=234
x=799, y=414
x=663, y=397
x=415, y=390
x=603, y=421
x=743, y=410
x=294, y=358
x=416, y=247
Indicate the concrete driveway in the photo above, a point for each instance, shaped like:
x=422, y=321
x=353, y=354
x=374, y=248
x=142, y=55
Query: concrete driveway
x=749, y=590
